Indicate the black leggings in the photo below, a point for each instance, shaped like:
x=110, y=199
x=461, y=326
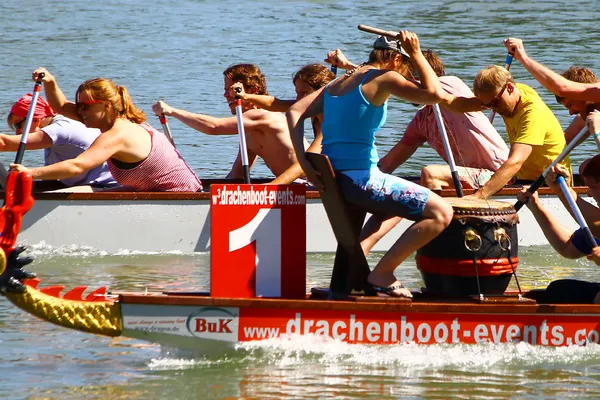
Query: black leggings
x=571, y=291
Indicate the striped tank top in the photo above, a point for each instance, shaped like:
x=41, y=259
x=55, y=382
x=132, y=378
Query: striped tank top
x=164, y=170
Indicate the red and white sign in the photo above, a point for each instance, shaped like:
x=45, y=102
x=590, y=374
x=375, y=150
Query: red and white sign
x=258, y=241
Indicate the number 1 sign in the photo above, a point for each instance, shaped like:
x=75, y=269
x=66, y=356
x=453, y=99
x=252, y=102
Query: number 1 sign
x=258, y=241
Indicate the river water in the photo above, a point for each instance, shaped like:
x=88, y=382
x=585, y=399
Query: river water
x=177, y=51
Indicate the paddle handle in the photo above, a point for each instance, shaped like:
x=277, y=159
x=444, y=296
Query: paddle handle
x=380, y=32
x=37, y=88
x=166, y=128
x=577, y=212
x=507, y=64
x=242, y=136
x=568, y=148
x=448, y=149
x=334, y=69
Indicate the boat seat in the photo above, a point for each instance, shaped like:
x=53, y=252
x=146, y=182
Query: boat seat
x=350, y=268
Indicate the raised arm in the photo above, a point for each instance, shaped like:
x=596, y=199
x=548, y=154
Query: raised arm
x=338, y=59
x=549, y=79
x=265, y=102
x=54, y=95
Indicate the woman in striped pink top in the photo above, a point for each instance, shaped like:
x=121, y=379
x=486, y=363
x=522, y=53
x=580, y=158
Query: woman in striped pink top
x=138, y=156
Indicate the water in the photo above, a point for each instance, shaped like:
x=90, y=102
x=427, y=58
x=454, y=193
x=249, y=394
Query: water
x=177, y=51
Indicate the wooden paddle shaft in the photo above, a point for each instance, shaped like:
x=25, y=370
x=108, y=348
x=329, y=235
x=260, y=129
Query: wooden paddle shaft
x=380, y=32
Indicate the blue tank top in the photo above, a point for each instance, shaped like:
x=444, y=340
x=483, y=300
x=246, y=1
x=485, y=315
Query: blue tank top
x=349, y=126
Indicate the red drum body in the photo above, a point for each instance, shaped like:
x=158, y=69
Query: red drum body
x=476, y=254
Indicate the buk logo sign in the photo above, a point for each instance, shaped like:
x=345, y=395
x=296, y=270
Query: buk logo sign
x=214, y=323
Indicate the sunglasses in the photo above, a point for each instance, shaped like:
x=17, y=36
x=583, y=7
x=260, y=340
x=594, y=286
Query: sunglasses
x=496, y=102
x=84, y=105
x=18, y=125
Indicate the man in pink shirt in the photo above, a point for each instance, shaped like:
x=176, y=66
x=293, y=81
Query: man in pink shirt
x=477, y=147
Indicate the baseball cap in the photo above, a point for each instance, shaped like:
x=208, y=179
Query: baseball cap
x=384, y=43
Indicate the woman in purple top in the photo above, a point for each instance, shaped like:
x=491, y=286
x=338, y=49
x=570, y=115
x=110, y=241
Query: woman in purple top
x=61, y=138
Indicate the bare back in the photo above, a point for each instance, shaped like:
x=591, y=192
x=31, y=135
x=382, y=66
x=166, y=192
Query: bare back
x=134, y=141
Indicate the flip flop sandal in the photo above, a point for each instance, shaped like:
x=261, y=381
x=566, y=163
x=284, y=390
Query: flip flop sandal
x=391, y=291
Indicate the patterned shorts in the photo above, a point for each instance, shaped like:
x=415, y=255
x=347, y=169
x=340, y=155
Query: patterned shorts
x=473, y=178
x=380, y=193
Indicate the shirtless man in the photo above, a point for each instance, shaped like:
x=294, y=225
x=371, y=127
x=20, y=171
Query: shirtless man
x=267, y=134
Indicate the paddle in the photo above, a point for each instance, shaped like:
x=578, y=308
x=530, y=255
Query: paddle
x=442, y=127
x=166, y=129
x=568, y=148
x=380, y=32
x=37, y=88
x=334, y=69
x=576, y=212
x=508, y=62
x=242, y=135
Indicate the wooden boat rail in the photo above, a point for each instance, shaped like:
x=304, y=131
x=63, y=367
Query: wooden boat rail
x=106, y=195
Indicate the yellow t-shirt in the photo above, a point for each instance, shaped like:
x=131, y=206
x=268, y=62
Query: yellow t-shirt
x=533, y=123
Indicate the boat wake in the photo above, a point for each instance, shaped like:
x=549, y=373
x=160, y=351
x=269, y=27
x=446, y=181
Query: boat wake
x=44, y=249
x=405, y=358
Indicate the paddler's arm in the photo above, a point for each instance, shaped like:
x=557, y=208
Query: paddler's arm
x=519, y=153
x=309, y=106
x=36, y=140
x=54, y=95
x=103, y=148
x=557, y=84
x=203, y=123
x=590, y=212
x=557, y=235
x=237, y=170
x=574, y=128
x=295, y=171
x=266, y=102
x=396, y=157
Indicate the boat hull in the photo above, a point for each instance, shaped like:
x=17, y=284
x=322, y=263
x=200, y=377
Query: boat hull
x=164, y=222
x=208, y=324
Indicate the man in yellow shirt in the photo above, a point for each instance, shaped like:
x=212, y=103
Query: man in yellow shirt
x=535, y=135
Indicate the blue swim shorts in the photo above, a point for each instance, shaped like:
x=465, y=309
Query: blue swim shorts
x=380, y=193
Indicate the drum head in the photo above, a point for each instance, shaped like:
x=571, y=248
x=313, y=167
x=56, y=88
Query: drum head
x=488, y=210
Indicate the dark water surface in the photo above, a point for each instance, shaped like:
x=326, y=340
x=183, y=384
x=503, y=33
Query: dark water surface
x=177, y=51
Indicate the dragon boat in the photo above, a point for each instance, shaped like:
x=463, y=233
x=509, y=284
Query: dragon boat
x=258, y=284
x=180, y=222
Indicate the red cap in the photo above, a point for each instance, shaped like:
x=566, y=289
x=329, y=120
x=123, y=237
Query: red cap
x=42, y=108
x=591, y=167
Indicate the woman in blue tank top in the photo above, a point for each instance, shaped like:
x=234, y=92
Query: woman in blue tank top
x=354, y=108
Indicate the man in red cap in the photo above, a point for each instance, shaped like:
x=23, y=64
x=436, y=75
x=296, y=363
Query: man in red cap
x=61, y=138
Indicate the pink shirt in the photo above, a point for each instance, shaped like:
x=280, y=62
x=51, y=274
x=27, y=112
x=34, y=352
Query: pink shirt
x=474, y=141
x=164, y=170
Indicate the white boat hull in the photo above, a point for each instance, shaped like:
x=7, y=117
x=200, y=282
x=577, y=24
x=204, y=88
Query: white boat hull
x=159, y=223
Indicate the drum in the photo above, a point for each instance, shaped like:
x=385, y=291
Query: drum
x=476, y=254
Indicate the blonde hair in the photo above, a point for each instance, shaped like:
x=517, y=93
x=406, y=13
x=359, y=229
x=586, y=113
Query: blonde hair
x=118, y=96
x=491, y=79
